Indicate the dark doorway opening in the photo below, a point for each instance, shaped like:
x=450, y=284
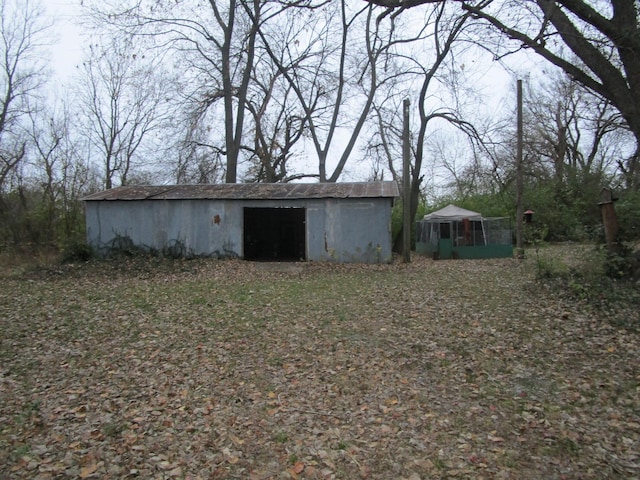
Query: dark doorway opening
x=445, y=230
x=274, y=234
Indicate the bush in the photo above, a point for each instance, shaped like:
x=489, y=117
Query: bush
x=603, y=280
x=123, y=246
x=77, y=251
x=628, y=215
x=623, y=263
x=548, y=268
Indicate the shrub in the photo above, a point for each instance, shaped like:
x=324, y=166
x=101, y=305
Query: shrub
x=628, y=214
x=122, y=245
x=623, y=263
x=547, y=269
x=76, y=252
x=604, y=280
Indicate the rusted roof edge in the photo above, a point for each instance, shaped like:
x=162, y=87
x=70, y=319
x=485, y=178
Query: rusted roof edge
x=239, y=191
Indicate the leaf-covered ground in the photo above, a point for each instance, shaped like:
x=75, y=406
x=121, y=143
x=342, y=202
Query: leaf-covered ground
x=229, y=369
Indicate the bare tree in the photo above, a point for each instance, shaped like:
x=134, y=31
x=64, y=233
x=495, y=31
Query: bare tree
x=122, y=102
x=426, y=71
x=278, y=124
x=275, y=136
x=595, y=43
x=330, y=60
x=23, y=33
x=198, y=160
x=46, y=136
x=234, y=87
x=574, y=131
x=58, y=172
x=446, y=31
x=216, y=43
x=335, y=78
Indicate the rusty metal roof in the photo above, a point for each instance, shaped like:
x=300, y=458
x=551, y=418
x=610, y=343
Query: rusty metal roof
x=250, y=191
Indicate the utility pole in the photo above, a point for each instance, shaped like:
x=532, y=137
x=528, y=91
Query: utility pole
x=406, y=186
x=519, y=178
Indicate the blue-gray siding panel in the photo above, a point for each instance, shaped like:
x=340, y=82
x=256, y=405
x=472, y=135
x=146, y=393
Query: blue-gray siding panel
x=339, y=230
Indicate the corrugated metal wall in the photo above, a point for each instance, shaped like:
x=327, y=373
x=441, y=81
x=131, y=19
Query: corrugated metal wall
x=338, y=230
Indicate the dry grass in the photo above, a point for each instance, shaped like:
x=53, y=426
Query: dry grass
x=210, y=369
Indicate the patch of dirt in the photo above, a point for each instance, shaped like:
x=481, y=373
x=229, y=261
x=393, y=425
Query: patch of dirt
x=229, y=369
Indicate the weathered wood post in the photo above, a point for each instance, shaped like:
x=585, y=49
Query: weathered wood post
x=519, y=176
x=609, y=219
x=406, y=186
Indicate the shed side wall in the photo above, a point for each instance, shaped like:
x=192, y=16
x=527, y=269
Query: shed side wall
x=195, y=227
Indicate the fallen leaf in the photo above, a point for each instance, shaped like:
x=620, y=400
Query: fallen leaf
x=89, y=470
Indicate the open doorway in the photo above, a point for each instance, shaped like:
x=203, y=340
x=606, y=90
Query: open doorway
x=274, y=234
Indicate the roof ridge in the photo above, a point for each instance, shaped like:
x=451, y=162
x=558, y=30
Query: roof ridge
x=168, y=189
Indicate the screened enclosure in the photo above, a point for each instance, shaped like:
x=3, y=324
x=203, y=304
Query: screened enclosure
x=454, y=232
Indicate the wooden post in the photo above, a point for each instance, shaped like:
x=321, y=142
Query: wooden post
x=609, y=219
x=519, y=178
x=406, y=186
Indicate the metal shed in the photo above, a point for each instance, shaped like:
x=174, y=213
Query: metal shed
x=339, y=222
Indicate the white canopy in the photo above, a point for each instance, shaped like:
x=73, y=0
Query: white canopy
x=453, y=213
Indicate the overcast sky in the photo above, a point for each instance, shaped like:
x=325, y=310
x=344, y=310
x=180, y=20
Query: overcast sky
x=67, y=49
